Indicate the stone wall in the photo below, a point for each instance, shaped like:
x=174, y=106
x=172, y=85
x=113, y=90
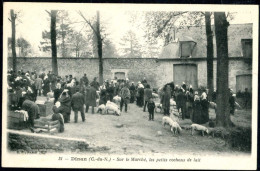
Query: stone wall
x=157, y=71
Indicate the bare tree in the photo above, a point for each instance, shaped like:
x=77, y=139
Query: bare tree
x=97, y=31
x=53, y=15
x=221, y=28
x=210, y=54
x=13, y=18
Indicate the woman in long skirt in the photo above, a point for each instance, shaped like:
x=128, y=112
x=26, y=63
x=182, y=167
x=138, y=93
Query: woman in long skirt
x=46, y=86
x=196, y=116
x=204, y=107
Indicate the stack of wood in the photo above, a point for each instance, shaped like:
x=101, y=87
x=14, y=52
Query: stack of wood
x=17, y=120
x=46, y=125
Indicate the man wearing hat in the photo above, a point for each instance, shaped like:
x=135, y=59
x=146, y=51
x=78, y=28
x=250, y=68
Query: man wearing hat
x=90, y=97
x=95, y=84
x=77, y=104
x=84, y=80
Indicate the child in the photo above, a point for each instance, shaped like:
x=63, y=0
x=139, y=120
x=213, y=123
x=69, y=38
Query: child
x=151, y=107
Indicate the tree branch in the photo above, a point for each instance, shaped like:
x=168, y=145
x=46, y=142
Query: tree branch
x=48, y=12
x=9, y=19
x=88, y=22
x=159, y=31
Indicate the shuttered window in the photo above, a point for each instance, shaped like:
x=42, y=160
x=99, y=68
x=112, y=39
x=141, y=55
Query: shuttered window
x=246, y=48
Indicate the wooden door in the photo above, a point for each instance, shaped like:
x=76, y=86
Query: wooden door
x=185, y=73
x=244, y=81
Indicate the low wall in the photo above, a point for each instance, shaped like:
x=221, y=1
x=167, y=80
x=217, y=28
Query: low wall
x=22, y=142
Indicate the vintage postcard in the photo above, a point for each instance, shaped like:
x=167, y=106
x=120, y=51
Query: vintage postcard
x=137, y=86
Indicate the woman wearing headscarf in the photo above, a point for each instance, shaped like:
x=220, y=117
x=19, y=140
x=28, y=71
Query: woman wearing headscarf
x=110, y=91
x=204, y=107
x=46, y=86
x=65, y=105
x=57, y=91
x=141, y=95
x=57, y=116
x=196, y=116
x=137, y=94
x=103, y=95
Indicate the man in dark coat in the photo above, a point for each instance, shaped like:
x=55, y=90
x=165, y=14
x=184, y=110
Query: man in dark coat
x=166, y=99
x=91, y=97
x=103, y=97
x=84, y=80
x=147, y=95
x=181, y=101
x=110, y=91
x=151, y=107
x=33, y=111
x=95, y=84
x=125, y=97
x=77, y=104
x=132, y=92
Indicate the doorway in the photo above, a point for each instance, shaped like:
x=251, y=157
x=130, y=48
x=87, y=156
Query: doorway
x=185, y=73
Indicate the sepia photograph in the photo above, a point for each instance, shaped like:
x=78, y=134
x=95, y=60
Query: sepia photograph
x=131, y=86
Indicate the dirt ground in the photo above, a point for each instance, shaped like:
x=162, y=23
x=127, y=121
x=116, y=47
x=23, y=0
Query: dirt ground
x=132, y=133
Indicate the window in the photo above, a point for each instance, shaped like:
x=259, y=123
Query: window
x=246, y=48
x=187, y=48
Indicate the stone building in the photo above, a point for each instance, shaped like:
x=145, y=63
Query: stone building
x=183, y=60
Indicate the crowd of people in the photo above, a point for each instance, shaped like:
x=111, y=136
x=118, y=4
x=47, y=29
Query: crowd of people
x=73, y=94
